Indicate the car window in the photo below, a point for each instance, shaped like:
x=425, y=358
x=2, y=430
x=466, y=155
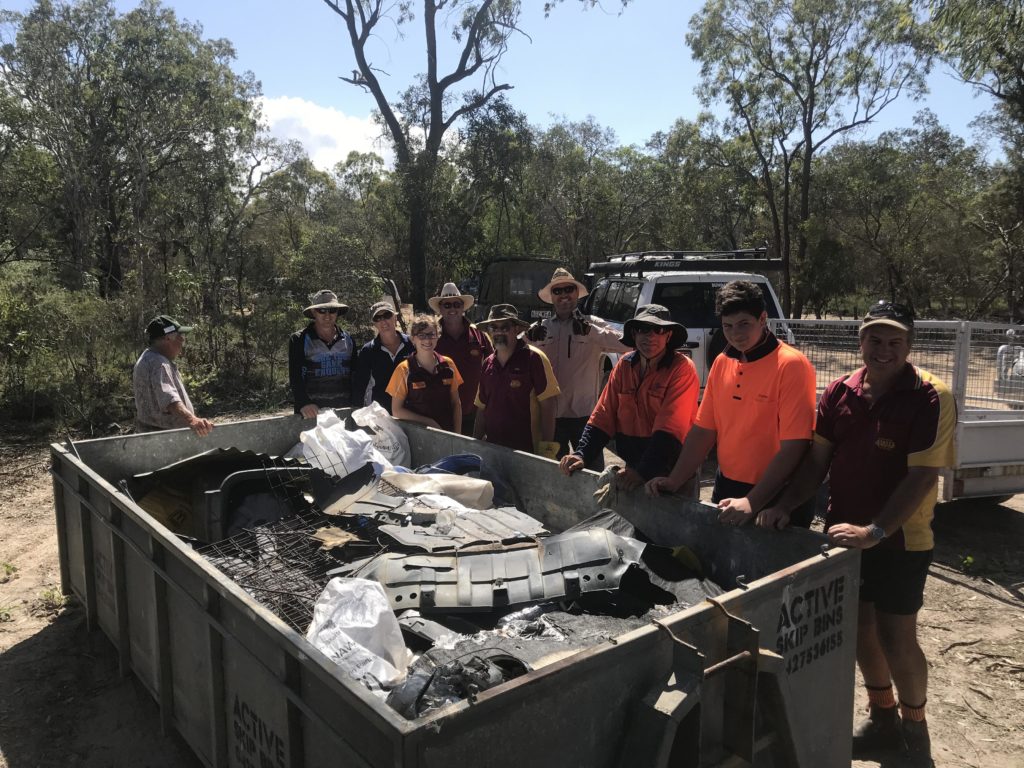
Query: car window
x=596, y=299
x=622, y=305
x=692, y=304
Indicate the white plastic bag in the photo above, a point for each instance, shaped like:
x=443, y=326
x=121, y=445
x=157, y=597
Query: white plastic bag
x=388, y=437
x=354, y=626
x=334, y=449
x=469, y=491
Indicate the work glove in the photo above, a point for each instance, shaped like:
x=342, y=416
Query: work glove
x=580, y=325
x=548, y=449
x=537, y=332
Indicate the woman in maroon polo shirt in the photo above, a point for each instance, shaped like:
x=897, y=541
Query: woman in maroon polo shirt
x=425, y=387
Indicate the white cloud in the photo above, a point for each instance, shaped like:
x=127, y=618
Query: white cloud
x=328, y=134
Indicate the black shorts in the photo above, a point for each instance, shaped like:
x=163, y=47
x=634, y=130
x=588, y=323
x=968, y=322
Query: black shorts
x=727, y=488
x=893, y=579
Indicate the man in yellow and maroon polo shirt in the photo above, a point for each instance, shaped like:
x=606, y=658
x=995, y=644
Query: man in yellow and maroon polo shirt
x=882, y=435
x=515, y=402
x=758, y=406
x=464, y=343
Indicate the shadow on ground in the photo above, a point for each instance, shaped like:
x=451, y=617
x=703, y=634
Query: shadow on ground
x=982, y=539
x=63, y=703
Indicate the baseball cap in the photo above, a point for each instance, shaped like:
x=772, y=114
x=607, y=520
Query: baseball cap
x=161, y=325
x=889, y=313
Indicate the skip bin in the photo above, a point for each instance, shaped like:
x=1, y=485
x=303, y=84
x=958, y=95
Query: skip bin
x=762, y=675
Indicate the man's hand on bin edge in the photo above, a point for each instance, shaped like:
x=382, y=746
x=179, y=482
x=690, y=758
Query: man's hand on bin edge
x=201, y=427
x=570, y=463
x=735, y=511
x=772, y=517
x=628, y=478
x=308, y=411
x=660, y=485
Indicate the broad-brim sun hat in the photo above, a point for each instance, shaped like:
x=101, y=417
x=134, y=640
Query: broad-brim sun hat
x=889, y=313
x=450, y=291
x=161, y=325
x=502, y=313
x=561, y=277
x=654, y=314
x=324, y=300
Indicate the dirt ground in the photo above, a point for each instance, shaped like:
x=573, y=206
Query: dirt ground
x=62, y=702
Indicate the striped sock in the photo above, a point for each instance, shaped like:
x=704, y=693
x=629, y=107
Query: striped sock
x=912, y=713
x=881, y=697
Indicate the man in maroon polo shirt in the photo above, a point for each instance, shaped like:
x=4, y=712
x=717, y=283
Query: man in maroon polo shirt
x=464, y=343
x=882, y=434
x=515, y=402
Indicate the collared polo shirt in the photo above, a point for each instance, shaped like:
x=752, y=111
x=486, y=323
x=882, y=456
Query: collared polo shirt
x=428, y=394
x=755, y=404
x=875, y=443
x=510, y=396
x=468, y=352
x=373, y=368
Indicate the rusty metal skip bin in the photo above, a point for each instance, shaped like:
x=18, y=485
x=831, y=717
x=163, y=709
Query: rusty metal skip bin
x=762, y=675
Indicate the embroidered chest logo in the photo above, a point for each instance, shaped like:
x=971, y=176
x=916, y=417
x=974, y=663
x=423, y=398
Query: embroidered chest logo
x=515, y=384
x=474, y=353
x=885, y=444
x=419, y=385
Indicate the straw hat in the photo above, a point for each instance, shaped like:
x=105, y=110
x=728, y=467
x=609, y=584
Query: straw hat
x=450, y=291
x=561, y=277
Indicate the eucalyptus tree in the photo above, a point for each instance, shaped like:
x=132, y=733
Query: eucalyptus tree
x=796, y=74
x=127, y=106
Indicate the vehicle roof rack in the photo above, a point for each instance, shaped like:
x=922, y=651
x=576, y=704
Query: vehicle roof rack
x=743, y=260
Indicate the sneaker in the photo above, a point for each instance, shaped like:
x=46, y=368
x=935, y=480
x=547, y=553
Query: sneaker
x=919, y=744
x=880, y=732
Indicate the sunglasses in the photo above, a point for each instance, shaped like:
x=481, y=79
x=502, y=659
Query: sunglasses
x=329, y=311
x=563, y=289
x=426, y=336
x=451, y=305
x=383, y=316
x=658, y=330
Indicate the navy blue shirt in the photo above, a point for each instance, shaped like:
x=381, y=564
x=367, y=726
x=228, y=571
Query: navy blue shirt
x=373, y=368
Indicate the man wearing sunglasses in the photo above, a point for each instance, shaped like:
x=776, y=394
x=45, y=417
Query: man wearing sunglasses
x=464, y=343
x=320, y=358
x=574, y=343
x=758, y=408
x=882, y=435
x=648, y=404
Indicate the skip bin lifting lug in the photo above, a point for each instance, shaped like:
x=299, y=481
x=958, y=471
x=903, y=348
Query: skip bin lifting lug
x=665, y=728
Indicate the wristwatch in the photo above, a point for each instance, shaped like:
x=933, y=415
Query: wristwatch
x=877, y=532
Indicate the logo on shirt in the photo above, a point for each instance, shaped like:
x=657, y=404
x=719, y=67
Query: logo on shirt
x=885, y=444
x=474, y=353
x=419, y=385
x=515, y=384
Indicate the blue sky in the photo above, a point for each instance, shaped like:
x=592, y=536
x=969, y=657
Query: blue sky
x=631, y=71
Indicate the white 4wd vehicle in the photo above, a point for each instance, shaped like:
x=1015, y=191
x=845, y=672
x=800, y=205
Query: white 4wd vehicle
x=684, y=281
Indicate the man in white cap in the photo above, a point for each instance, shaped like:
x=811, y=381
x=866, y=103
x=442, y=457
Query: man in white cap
x=464, y=343
x=574, y=343
x=320, y=358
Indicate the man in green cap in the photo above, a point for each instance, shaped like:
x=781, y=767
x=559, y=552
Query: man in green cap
x=161, y=401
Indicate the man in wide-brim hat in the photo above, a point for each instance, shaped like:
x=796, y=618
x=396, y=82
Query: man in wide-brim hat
x=464, y=343
x=320, y=358
x=648, y=404
x=515, y=401
x=575, y=344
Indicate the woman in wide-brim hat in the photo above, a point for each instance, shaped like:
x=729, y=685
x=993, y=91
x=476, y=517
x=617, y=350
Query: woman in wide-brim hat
x=320, y=358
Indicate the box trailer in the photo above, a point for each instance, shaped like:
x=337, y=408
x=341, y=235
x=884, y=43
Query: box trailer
x=762, y=675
